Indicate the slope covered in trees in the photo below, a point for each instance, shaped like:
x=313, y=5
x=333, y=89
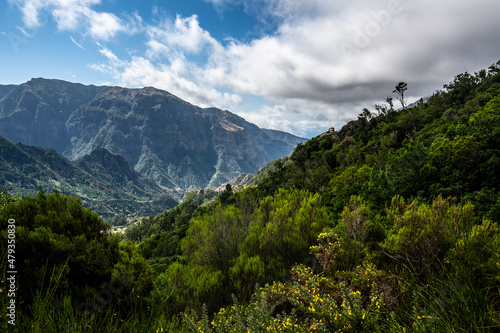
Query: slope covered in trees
x=387, y=225
x=102, y=180
x=406, y=199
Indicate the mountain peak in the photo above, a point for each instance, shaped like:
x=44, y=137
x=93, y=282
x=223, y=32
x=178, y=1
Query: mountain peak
x=109, y=161
x=175, y=143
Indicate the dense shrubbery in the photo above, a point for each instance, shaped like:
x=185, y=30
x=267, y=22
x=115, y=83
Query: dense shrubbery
x=426, y=276
x=66, y=252
x=388, y=225
x=238, y=247
x=415, y=192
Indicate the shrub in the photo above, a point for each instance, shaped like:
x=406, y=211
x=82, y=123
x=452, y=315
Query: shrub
x=422, y=234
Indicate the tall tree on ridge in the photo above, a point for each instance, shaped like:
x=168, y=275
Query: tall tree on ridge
x=400, y=89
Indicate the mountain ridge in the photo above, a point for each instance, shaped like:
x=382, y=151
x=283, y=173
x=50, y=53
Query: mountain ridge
x=102, y=180
x=177, y=144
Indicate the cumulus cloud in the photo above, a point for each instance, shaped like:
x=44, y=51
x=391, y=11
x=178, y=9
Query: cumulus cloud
x=73, y=15
x=179, y=77
x=340, y=53
x=324, y=61
x=330, y=51
x=184, y=34
x=103, y=26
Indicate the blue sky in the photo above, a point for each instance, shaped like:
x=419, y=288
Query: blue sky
x=294, y=65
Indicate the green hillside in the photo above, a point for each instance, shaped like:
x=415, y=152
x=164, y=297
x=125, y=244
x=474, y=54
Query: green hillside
x=103, y=181
x=389, y=224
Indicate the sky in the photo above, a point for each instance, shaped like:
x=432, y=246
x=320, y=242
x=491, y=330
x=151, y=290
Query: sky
x=292, y=65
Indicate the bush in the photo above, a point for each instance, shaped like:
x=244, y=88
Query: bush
x=422, y=234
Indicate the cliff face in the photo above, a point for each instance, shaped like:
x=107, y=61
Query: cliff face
x=177, y=144
x=35, y=113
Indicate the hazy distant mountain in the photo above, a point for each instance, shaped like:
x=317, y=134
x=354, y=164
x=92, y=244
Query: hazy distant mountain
x=5, y=89
x=104, y=181
x=177, y=144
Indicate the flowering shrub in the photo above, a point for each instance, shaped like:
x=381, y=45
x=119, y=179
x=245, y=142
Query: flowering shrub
x=338, y=302
x=255, y=317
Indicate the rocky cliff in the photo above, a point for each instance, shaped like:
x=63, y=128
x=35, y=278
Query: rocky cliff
x=178, y=145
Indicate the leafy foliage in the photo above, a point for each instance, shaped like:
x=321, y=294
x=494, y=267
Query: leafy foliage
x=64, y=249
x=242, y=247
x=411, y=191
x=388, y=225
x=103, y=181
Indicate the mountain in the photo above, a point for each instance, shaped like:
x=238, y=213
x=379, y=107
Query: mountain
x=104, y=181
x=178, y=145
x=5, y=89
x=388, y=224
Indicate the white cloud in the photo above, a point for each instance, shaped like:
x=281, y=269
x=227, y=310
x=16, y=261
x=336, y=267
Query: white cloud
x=73, y=15
x=112, y=58
x=179, y=77
x=324, y=62
x=331, y=52
x=182, y=35
x=103, y=26
x=301, y=117
x=165, y=64
x=76, y=43
x=30, y=11
x=327, y=59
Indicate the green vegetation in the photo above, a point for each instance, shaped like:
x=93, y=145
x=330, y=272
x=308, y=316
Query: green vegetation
x=388, y=225
x=103, y=181
x=66, y=257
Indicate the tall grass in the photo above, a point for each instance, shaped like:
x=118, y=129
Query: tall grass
x=51, y=311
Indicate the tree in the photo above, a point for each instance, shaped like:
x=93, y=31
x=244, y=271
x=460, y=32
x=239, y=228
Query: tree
x=6, y=198
x=54, y=231
x=226, y=194
x=400, y=89
x=462, y=88
x=57, y=237
x=365, y=116
x=391, y=103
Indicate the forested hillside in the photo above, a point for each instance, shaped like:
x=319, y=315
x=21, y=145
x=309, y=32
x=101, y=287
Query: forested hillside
x=102, y=180
x=389, y=224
